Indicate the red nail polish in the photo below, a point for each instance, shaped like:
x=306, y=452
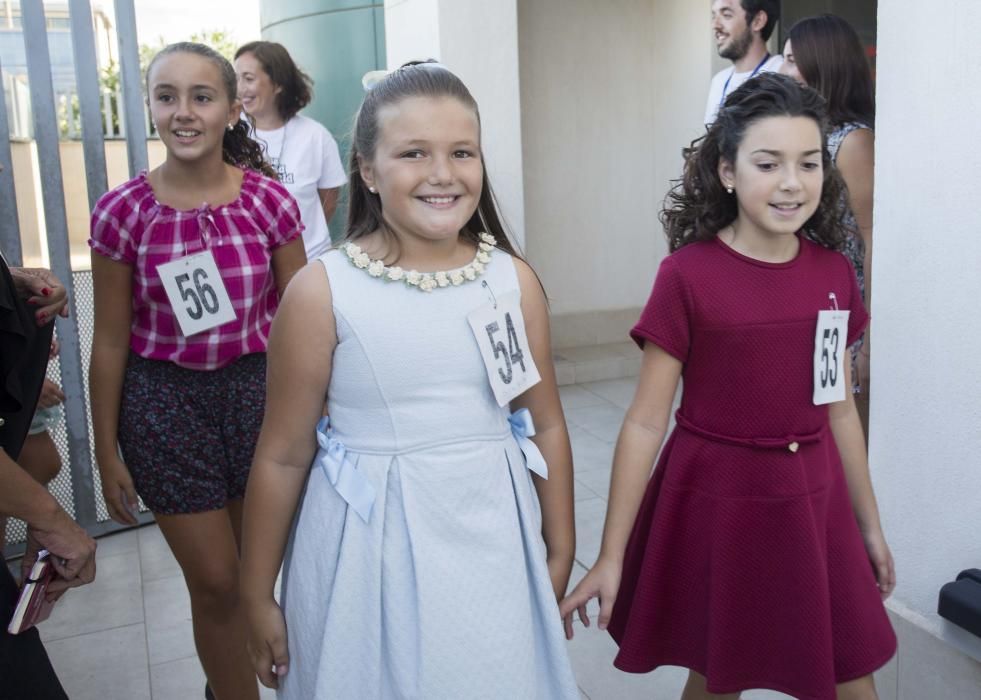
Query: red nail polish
x=46, y=292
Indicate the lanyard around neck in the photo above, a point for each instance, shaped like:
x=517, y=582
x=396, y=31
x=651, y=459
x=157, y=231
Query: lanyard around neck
x=282, y=146
x=725, y=88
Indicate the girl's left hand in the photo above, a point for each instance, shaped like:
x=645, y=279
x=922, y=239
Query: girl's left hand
x=882, y=563
x=51, y=395
x=559, y=570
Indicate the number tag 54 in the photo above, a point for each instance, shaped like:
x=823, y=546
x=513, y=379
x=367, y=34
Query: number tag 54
x=829, y=356
x=503, y=342
x=196, y=292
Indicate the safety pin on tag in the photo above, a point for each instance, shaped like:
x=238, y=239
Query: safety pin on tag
x=829, y=353
x=483, y=283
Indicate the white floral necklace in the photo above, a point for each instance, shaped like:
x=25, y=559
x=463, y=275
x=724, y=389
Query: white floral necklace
x=426, y=281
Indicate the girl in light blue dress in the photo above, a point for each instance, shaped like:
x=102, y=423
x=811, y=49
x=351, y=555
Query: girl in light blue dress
x=427, y=519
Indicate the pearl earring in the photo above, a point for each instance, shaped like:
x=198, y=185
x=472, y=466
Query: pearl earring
x=729, y=190
x=372, y=190
x=230, y=127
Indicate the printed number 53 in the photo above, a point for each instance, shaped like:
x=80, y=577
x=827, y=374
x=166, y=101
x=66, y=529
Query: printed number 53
x=512, y=354
x=202, y=294
x=829, y=373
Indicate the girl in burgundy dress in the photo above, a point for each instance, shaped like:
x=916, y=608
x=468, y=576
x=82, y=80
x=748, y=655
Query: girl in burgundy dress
x=755, y=558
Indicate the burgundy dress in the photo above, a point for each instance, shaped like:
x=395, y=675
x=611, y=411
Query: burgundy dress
x=746, y=563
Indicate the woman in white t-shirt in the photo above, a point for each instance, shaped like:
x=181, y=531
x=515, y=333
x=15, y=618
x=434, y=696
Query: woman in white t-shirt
x=273, y=90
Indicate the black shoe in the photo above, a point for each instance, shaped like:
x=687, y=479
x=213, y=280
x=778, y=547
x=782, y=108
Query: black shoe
x=208, y=695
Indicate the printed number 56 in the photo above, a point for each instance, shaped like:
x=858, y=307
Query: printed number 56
x=513, y=354
x=829, y=374
x=202, y=295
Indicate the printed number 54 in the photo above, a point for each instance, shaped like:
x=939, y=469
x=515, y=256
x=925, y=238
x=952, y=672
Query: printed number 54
x=829, y=374
x=512, y=354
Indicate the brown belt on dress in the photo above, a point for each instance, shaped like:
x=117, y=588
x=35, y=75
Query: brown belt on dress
x=788, y=442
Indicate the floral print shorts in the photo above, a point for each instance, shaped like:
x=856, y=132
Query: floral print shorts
x=188, y=435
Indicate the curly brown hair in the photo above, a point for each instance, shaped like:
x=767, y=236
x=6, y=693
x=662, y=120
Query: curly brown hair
x=698, y=206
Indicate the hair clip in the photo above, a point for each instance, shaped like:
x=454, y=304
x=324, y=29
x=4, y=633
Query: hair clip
x=430, y=64
x=373, y=77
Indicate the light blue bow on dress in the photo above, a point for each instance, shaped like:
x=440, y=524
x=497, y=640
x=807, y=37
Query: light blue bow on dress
x=353, y=486
x=349, y=481
x=523, y=428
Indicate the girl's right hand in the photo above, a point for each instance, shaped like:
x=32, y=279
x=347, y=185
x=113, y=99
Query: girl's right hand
x=51, y=395
x=267, y=641
x=882, y=562
x=118, y=491
x=603, y=582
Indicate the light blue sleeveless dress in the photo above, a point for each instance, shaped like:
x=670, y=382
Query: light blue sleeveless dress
x=416, y=567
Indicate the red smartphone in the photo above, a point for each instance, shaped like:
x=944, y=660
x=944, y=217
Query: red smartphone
x=32, y=605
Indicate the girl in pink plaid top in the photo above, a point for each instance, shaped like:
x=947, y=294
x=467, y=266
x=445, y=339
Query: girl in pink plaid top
x=189, y=262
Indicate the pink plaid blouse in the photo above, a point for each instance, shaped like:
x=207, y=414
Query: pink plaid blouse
x=130, y=226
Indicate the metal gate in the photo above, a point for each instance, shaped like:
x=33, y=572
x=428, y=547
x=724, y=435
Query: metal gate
x=77, y=487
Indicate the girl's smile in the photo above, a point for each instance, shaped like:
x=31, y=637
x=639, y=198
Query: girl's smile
x=787, y=209
x=440, y=201
x=186, y=135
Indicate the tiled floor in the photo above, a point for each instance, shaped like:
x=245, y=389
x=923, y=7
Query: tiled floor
x=128, y=635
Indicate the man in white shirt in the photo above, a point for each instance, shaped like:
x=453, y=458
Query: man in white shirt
x=741, y=29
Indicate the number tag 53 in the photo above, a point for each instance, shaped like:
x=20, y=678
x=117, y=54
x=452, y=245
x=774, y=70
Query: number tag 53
x=196, y=292
x=829, y=356
x=503, y=342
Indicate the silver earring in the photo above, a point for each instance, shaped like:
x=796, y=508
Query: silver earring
x=229, y=127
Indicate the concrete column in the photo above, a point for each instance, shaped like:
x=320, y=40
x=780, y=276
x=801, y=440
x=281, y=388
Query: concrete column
x=477, y=40
x=335, y=42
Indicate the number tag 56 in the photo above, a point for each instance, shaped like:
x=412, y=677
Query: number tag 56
x=503, y=342
x=196, y=292
x=829, y=356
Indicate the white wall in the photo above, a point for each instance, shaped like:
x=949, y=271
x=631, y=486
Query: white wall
x=411, y=30
x=478, y=41
x=925, y=429
x=610, y=93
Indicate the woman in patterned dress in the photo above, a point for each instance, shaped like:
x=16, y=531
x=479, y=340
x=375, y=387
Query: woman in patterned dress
x=826, y=54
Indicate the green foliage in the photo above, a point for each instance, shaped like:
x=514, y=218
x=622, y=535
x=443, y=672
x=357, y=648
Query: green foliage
x=218, y=39
x=109, y=81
